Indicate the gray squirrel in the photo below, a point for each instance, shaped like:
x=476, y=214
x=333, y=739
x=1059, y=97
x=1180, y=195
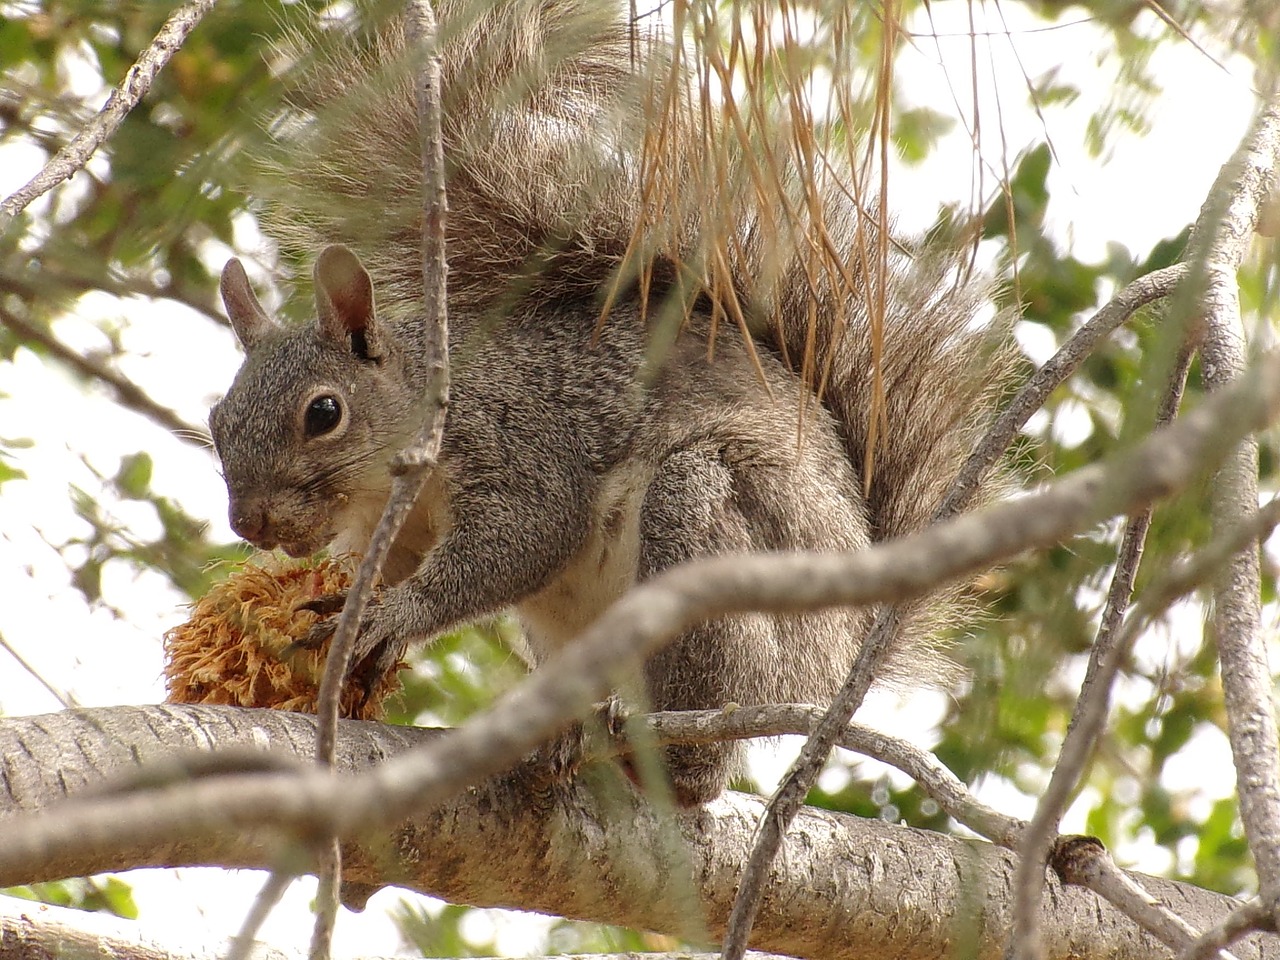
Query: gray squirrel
x=578, y=458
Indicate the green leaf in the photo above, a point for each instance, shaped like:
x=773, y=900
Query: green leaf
x=95, y=894
x=916, y=132
x=134, y=476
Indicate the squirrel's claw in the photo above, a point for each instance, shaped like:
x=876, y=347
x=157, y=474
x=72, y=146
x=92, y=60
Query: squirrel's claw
x=381, y=660
x=324, y=605
x=563, y=756
x=375, y=653
x=320, y=633
x=327, y=606
x=613, y=715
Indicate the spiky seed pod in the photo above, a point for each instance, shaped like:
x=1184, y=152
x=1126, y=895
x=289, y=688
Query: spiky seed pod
x=234, y=648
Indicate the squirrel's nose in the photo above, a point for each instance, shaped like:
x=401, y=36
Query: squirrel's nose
x=249, y=520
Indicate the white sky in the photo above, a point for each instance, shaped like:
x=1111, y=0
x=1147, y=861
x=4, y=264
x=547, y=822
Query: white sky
x=1145, y=189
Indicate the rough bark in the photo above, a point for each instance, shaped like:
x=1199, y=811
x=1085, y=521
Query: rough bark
x=842, y=887
x=40, y=931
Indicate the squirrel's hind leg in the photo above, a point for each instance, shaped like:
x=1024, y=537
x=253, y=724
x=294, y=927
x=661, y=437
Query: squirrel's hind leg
x=690, y=511
x=736, y=492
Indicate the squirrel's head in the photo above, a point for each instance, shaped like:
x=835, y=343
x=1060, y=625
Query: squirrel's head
x=308, y=427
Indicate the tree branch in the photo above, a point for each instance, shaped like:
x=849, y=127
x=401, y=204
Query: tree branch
x=127, y=393
x=54, y=282
x=778, y=719
x=1219, y=243
x=597, y=852
x=243, y=945
x=1243, y=920
x=867, y=667
x=1091, y=708
x=37, y=930
x=1145, y=290
x=1085, y=861
x=137, y=81
x=412, y=466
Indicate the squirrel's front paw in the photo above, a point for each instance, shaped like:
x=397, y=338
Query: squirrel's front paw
x=328, y=608
x=378, y=649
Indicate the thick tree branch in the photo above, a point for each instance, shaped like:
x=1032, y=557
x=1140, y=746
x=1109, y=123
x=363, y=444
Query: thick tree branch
x=844, y=887
x=30, y=930
x=1219, y=244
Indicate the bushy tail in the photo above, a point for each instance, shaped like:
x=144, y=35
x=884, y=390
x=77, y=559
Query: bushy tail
x=540, y=122
x=908, y=354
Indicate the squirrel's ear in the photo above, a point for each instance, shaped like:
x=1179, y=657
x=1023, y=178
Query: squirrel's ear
x=248, y=319
x=344, y=302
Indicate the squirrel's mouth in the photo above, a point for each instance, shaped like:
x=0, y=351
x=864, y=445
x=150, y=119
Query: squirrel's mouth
x=296, y=549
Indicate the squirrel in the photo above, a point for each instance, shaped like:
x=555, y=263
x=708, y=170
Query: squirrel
x=574, y=464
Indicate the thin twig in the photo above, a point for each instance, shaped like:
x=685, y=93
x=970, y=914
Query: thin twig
x=57, y=280
x=63, y=697
x=790, y=795
x=328, y=897
x=1137, y=294
x=414, y=464
x=779, y=719
x=1091, y=711
x=1081, y=740
x=772, y=720
x=137, y=81
x=1254, y=915
x=1085, y=862
x=244, y=942
x=127, y=393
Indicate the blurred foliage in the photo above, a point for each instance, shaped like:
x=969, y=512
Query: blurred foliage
x=160, y=207
x=98, y=894
x=7, y=470
x=181, y=551
x=462, y=674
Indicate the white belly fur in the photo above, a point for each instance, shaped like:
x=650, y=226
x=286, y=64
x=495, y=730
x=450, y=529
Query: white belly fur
x=602, y=571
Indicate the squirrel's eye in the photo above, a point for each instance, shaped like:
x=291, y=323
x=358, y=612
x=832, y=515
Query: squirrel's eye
x=323, y=415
